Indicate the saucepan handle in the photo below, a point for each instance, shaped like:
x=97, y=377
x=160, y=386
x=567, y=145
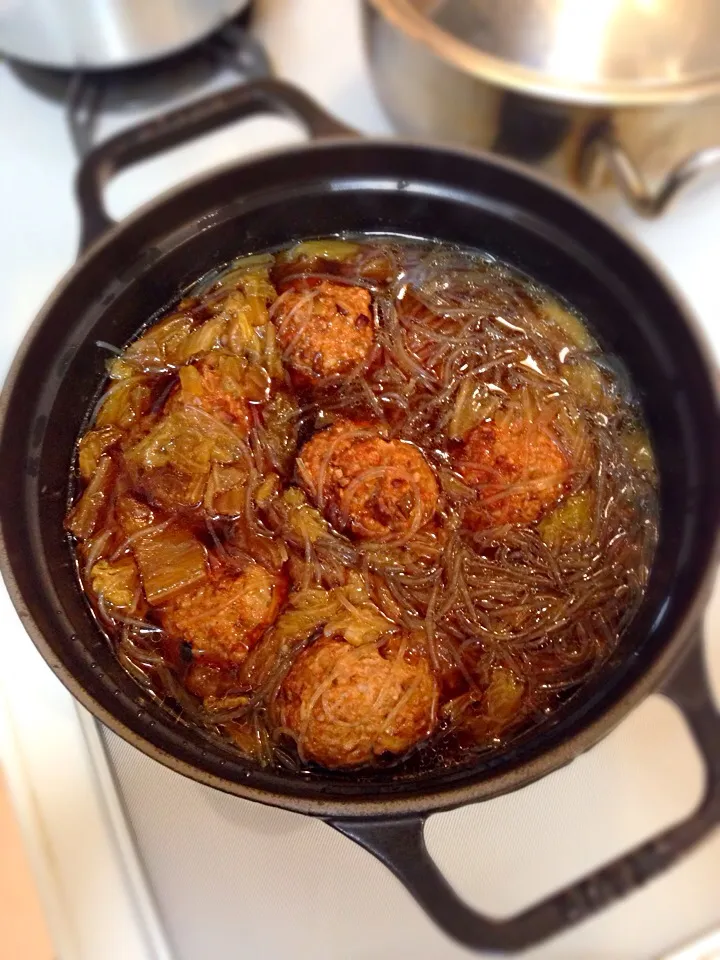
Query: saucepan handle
x=187, y=123
x=400, y=845
x=603, y=148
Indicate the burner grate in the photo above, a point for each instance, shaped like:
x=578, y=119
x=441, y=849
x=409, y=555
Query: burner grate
x=99, y=98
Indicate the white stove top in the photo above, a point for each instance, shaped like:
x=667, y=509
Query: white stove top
x=135, y=862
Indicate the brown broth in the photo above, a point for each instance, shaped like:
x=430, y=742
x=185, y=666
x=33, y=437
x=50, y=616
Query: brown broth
x=514, y=580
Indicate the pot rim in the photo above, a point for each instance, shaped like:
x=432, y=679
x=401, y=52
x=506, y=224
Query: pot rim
x=486, y=67
x=437, y=799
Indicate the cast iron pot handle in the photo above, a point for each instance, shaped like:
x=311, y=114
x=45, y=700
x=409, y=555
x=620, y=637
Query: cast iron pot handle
x=602, y=147
x=186, y=123
x=400, y=845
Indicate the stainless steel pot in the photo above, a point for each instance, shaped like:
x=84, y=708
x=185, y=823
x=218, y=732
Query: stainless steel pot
x=622, y=93
x=98, y=34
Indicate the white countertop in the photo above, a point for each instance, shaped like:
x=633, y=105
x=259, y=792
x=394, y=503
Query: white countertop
x=304, y=889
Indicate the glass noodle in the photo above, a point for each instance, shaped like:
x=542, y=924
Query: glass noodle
x=514, y=617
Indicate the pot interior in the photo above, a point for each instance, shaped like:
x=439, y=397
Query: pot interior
x=399, y=189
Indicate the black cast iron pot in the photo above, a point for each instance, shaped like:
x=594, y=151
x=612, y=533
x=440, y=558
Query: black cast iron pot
x=137, y=267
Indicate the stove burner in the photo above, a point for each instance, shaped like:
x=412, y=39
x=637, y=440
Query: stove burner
x=90, y=96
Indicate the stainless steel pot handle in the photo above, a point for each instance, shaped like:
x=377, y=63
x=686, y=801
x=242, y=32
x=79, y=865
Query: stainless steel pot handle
x=187, y=123
x=400, y=845
x=602, y=146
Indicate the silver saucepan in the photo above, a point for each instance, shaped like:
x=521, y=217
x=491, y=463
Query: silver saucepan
x=598, y=93
x=103, y=34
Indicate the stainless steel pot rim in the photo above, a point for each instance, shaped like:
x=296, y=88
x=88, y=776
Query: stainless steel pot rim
x=404, y=16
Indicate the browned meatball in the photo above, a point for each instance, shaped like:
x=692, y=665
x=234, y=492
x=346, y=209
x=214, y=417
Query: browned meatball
x=213, y=385
x=378, y=488
x=222, y=385
x=518, y=469
x=325, y=330
x=347, y=705
x=212, y=626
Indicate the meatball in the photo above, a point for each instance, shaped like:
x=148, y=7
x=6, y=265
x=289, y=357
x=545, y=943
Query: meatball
x=378, y=488
x=325, y=330
x=222, y=385
x=518, y=469
x=346, y=705
x=212, y=626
